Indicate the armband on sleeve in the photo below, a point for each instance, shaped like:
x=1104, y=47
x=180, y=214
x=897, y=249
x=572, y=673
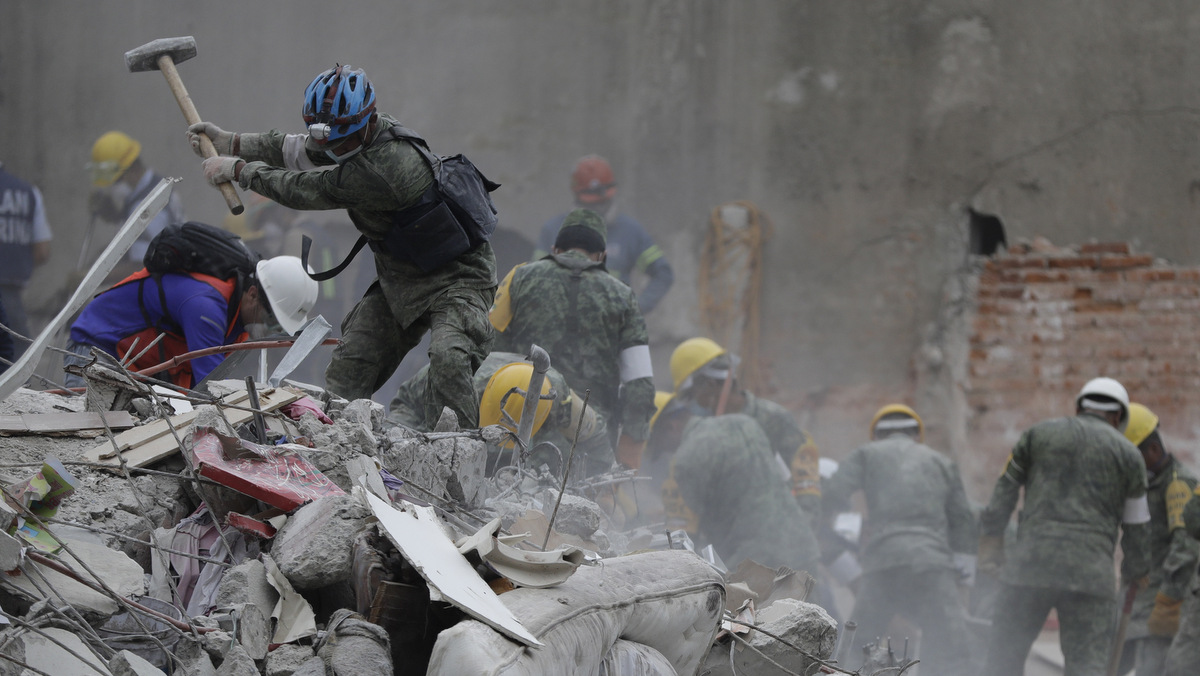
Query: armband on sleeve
x=1137, y=510
x=635, y=363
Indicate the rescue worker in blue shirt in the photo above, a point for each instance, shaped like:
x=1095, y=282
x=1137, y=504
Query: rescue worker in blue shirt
x=196, y=311
x=630, y=247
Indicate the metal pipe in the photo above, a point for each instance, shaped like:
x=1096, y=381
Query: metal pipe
x=533, y=394
x=845, y=641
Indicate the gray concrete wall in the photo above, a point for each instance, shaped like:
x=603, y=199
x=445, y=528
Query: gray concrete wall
x=863, y=128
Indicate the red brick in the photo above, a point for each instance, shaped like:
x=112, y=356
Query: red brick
x=1122, y=262
x=1169, y=290
x=1016, y=292
x=1121, y=352
x=1188, y=274
x=1105, y=248
x=1074, y=262
x=1095, y=276
x=1100, y=306
x=1152, y=275
x=1082, y=293
x=1039, y=277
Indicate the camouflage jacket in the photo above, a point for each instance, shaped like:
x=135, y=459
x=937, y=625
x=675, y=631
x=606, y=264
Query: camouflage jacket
x=408, y=408
x=794, y=446
x=917, y=511
x=727, y=474
x=1173, y=553
x=385, y=177
x=589, y=322
x=1080, y=476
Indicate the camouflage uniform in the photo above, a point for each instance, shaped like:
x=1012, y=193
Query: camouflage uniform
x=917, y=518
x=1183, y=657
x=727, y=474
x=1173, y=558
x=1081, y=478
x=794, y=446
x=588, y=321
x=593, y=453
x=451, y=301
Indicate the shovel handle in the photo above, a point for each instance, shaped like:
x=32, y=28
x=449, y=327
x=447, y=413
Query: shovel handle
x=167, y=66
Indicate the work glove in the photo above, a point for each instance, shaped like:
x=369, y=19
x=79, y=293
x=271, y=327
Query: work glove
x=222, y=169
x=1164, y=618
x=990, y=558
x=222, y=140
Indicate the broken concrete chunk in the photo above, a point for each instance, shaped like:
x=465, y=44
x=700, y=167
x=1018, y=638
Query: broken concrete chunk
x=313, y=549
x=313, y=666
x=237, y=663
x=802, y=624
x=287, y=659
x=118, y=571
x=576, y=516
x=249, y=625
x=126, y=663
x=365, y=411
x=193, y=658
x=46, y=655
x=246, y=583
x=355, y=646
x=447, y=421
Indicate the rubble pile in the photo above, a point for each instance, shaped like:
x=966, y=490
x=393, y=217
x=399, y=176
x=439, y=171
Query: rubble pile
x=344, y=545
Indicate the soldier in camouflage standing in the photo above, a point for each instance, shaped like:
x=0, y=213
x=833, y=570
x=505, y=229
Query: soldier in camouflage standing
x=587, y=320
x=555, y=421
x=1183, y=657
x=352, y=159
x=700, y=368
x=919, y=533
x=1083, y=482
x=1173, y=554
x=728, y=481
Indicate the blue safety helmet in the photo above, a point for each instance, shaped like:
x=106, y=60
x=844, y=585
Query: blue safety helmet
x=338, y=103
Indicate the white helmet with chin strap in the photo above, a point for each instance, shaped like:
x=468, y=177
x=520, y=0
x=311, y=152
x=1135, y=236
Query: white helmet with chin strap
x=291, y=293
x=1107, y=388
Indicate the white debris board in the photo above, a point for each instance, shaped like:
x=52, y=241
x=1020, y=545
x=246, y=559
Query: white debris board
x=417, y=533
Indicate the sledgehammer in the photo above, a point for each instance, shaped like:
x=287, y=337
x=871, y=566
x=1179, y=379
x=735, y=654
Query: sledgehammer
x=162, y=55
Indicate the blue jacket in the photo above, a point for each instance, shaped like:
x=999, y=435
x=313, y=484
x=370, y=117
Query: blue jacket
x=196, y=310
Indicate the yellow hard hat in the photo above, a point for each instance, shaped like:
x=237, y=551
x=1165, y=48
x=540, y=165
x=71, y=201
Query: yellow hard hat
x=660, y=402
x=891, y=409
x=1142, y=423
x=692, y=354
x=511, y=377
x=112, y=154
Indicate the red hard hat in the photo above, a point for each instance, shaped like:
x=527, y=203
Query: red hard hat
x=592, y=181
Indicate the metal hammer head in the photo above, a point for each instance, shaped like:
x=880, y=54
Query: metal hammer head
x=146, y=57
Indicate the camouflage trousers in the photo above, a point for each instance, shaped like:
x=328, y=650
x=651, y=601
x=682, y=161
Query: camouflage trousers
x=930, y=599
x=1183, y=657
x=373, y=343
x=1085, y=629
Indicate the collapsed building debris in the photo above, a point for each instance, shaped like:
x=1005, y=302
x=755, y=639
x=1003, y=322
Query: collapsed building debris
x=344, y=545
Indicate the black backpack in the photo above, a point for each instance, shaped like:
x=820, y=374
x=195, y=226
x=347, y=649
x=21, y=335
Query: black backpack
x=200, y=248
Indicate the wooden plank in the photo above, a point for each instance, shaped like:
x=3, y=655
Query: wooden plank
x=38, y=423
x=154, y=430
x=151, y=450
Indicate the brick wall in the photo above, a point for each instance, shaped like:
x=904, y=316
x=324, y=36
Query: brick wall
x=1048, y=319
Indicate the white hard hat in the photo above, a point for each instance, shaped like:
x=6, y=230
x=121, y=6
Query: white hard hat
x=291, y=293
x=1108, y=388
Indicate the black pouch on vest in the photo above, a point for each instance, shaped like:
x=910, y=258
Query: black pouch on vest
x=427, y=236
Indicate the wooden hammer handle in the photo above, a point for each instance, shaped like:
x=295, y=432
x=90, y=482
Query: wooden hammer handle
x=167, y=66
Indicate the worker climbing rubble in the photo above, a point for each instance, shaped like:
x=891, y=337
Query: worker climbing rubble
x=1083, y=482
x=207, y=306
x=628, y=246
x=1173, y=553
x=501, y=383
x=724, y=486
x=589, y=323
x=705, y=375
x=382, y=176
x=920, y=538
